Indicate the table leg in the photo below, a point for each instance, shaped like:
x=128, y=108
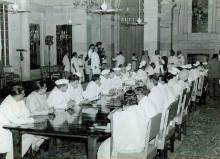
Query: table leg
x=17, y=136
x=92, y=147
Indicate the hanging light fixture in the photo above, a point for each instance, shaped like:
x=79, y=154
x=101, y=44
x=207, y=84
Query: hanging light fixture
x=105, y=7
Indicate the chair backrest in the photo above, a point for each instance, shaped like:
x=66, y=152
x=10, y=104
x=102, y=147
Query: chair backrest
x=173, y=110
x=181, y=101
x=155, y=126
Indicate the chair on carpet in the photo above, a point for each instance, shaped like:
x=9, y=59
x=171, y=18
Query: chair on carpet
x=167, y=129
x=180, y=111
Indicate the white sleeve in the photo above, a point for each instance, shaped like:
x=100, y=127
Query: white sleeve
x=13, y=118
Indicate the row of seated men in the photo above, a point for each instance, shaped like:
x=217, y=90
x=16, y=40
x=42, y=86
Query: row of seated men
x=68, y=94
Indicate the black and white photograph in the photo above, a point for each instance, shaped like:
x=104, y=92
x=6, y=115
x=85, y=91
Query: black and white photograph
x=109, y=79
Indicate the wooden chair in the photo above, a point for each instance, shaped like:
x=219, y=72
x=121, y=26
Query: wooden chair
x=167, y=130
x=150, y=150
x=180, y=113
x=186, y=105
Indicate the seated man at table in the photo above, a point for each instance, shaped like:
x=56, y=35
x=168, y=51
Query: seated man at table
x=104, y=79
x=115, y=79
x=93, y=89
x=36, y=102
x=131, y=119
x=155, y=95
x=144, y=103
x=75, y=89
x=14, y=111
x=59, y=98
x=129, y=77
x=141, y=74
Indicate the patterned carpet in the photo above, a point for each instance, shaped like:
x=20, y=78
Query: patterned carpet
x=203, y=136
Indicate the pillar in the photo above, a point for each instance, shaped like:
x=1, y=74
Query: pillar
x=25, y=40
x=151, y=29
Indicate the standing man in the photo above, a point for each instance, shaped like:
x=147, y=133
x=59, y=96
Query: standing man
x=100, y=51
x=119, y=60
x=66, y=64
x=81, y=66
x=145, y=57
x=213, y=78
x=74, y=63
x=95, y=62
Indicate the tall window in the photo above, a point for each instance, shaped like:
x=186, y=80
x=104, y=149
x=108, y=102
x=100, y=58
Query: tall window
x=4, y=45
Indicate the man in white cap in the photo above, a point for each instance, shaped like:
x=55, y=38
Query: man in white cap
x=59, y=98
x=174, y=84
x=141, y=74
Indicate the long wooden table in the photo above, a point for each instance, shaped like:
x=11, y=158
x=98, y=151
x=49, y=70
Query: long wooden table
x=63, y=125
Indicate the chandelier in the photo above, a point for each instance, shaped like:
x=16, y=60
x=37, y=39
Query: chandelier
x=97, y=4
x=133, y=19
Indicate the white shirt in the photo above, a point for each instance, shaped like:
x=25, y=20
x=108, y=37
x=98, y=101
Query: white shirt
x=66, y=63
x=148, y=107
x=58, y=99
x=11, y=112
x=95, y=63
x=92, y=91
x=116, y=82
x=120, y=60
x=105, y=85
x=37, y=104
x=157, y=98
x=76, y=94
x=131, y=120
x=141, y=75
x=181, y=60
x=74, y=61
x=173, y=61
x=129, y=78
x=150, y=70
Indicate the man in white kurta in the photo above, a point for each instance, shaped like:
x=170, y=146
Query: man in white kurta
x=75, y=89
x=115, y=79
x=13, y=111
x=66, y=63
x=81, y=63
x=95, y=62
x=74, y=63
x=37, y=103
x=181, y=59
x=105, y=82
x=141, y=74
x=119, y=60
x=93, y=88
x=173, y=61
x=131, y=120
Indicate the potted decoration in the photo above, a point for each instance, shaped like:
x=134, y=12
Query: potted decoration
x=49, y=40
